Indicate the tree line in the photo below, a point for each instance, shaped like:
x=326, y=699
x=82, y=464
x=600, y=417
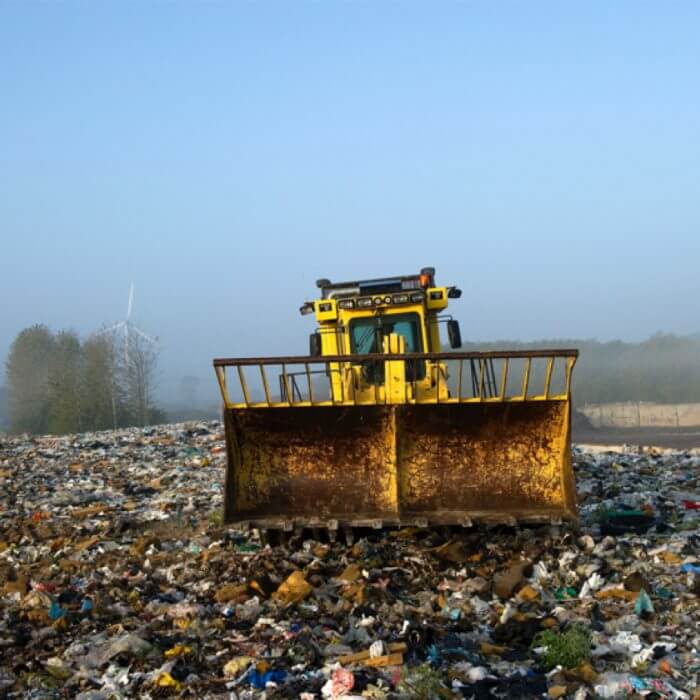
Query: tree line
x=662, y=369
x=57, y=383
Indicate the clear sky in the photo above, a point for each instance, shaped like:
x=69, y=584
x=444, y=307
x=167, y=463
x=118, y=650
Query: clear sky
x=223, y=156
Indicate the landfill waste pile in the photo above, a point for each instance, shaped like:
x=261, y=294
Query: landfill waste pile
x=118, y=580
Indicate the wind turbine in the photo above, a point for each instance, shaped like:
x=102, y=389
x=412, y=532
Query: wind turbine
x=126, y=327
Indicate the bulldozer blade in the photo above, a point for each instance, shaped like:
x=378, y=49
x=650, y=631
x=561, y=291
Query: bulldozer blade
x=311, y=465
x=375, y=466
x=495, y=462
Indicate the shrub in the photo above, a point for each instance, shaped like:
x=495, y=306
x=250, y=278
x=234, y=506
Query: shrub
x=567, y=649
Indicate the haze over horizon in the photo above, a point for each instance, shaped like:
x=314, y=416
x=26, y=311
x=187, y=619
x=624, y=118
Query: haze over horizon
x=223, y=157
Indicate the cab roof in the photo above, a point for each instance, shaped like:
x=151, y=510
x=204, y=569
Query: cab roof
x=380, y=285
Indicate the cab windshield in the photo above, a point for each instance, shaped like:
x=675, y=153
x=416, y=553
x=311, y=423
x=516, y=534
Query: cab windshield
x=367, y=336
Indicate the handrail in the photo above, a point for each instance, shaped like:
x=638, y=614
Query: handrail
x=383, y=357
x=442, y=383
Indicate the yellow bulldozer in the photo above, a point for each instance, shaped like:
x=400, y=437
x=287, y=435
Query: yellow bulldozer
x=378, y=426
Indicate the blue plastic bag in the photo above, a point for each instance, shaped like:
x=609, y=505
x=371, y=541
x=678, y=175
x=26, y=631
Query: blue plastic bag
x=260, y=680
x=56, y=611
x=643, y=604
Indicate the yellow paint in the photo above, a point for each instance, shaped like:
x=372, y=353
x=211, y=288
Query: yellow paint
x=326, y=310
x=395, y=370
x=439, y=303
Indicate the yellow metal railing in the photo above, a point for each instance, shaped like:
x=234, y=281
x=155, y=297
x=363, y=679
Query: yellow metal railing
x=350, y=380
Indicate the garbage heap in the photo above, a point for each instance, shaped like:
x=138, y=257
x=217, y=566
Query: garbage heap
x=117, y=580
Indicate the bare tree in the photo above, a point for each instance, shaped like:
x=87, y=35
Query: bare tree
x=140, y=369
x=103, y=391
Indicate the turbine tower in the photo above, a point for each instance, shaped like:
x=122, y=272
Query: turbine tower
x=126, y=327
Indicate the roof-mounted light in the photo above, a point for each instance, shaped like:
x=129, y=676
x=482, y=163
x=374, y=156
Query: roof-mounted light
x=346, y=304
x=364, y=303
x=307, y=308
x=417, y=296
x=427, y=275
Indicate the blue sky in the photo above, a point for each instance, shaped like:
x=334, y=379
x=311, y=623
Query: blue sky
x=223, y=156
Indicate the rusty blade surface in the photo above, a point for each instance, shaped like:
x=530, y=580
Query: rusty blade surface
x=399, y=464
x=329, y=462
x=510, y=459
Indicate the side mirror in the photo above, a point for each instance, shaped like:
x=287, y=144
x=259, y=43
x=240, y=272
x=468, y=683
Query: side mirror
x=453, y=334
x=315, y=345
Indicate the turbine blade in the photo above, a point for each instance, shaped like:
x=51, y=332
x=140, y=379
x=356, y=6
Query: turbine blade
x=143, y=335
x=131, y=302
x=110, y=329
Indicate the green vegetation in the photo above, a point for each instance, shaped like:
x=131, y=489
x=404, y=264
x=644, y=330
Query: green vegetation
x=58, y=384
x=567, y=649
x=423, y=683
x=4, y=420
x=216, y=518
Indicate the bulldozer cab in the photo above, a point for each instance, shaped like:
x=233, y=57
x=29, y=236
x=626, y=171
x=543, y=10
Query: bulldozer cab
x=376, y=317
x=378, y=425
x=370, y=335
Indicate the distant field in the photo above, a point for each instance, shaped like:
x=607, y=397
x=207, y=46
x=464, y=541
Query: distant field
x=677, y=438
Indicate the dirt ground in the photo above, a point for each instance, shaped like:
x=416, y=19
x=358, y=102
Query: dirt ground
x=677, y=438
